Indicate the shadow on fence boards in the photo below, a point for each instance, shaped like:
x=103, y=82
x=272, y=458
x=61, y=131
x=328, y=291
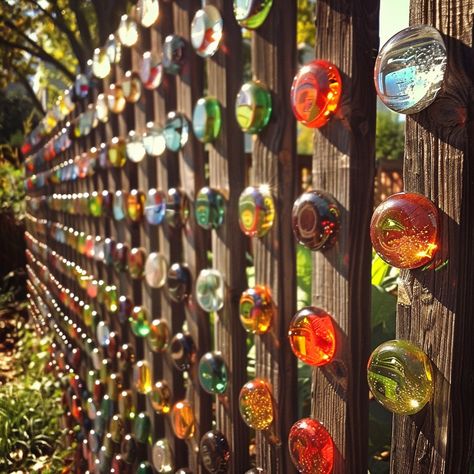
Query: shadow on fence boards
x=144, y=213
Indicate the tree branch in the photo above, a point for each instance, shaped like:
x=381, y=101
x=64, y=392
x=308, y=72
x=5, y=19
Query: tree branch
x=31, y=93
x=82, y=24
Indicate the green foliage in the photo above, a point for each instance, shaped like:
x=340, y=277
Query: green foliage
x=12, y=192
x=390, y=136
x=306, y=29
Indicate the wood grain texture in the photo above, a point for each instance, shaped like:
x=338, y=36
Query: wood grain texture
x=274, y=163
x=343, y=165
x=227, y=174
x=435, y=305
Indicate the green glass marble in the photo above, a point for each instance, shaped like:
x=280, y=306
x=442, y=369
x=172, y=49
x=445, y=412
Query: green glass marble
x=145, y=468
x=209, y=208
x=253, y=107
x=142, y=427
x=213, y=375
x=207, y=119
x=95, y=204
x=210, y=290
x=111, y=298
x=139, y=321
x=251, y=13
x=400, y=377
x=256, y=210
x=159, y=335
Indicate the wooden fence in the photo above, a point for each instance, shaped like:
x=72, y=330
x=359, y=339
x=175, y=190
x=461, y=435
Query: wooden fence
x=74, y=290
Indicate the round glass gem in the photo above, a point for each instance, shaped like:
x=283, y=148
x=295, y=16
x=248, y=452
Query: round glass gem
x=155, y=206
x=162, y=456
x=183, y=351
x=159, y=335
x=251, y=13
x=311, y=447
x=312, y=336
x=118, y=209
x=207, y=119
x=127, y=31
x=128, y=449
x=154, y=140
x=142, y=427
x=400, y=377
x=173, y=54
x=176, y=131
x=81, y=86
x=206, y=31
x=144, y=468
x=160, y=397
x=409, y=69
x=139, y=321
x=210, y=290
x=95, y=204
x=117, y=152
x=135, y=149
x=151, y=70
x=125, y=308
x=178, y=282
x=120, y=257
x=256, y=404
x=256, y=309
x=182, y=420
x=126, y=357
x=147, y=12
x=135, y=205
x=131, y=87
x=114, y=49
x=156, y=270
x=256, y=211
x=209, y=208
x=213, y=375
x=404, y=230
x=115, y=98
x=215, y=452
x=102, y=333
x=177, y=208
x=101, y=63
x=136, y=262
x=142, y=377
x=253, y=107
x=315, y=93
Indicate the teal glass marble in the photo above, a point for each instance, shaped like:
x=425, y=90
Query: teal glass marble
x=155, y=206
x=142, y=427
x=253, y=107
x=210, y=290
x=209, y=208
x=206, y=31
x=118, y=208
x=176, y=131
x=173, y=54
x=145, y=468
x=213, y=375
x=251, y=13
x=207, y=119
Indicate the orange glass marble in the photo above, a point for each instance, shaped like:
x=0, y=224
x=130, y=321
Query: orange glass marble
x=256, y=309
x=256, y=404
x=312, y=336
x=404, y=230
x=315, y=93
x=182, y=420
x=135, y=205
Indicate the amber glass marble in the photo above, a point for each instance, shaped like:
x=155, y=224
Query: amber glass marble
x=142, y=377
x=312, y=336
x=160, y=397
x=256, y=404
x=116, y=152
x=182, y=420
x=135, y=205
x=256, y=309
x=404, y=230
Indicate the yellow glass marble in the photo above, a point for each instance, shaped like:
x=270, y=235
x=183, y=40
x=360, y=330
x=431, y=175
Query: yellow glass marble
x=400, y=377
x=182, y=420
x=127, y=31
x=142, y=377
x=256, y=404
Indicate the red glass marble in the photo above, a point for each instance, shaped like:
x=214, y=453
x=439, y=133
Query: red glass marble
x=312, y=336
x=315, y=93
x=404, y=230
x=311, y=447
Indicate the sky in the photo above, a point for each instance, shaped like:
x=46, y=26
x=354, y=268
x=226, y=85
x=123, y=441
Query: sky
x=393, y=18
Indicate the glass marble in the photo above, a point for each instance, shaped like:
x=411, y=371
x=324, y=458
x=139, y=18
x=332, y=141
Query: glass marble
x=135, y=149
x=256, y=404
x=109, y=249
x=155, y=206
x=253, y=107
x=182, y=420
x=409, y=69
x=117, y=152
x=207, y=119
x=118, y=209
x=126, y=408
x=312, y=336
x=178, y=282
x=206, y=31
x=251, y=13
x=210, y=290
x=160, y=397
x=131, y=87
x=139, y=321
x=173, y=56
x=136, y=262
x=156, y=270
x=125, y=308
x=176, y=131
x=159, y=335
x=111, y=298
x=81, y=86
x=115, y=98
x=142, y=377
x=177, y=208
x=147, y=12
x=404, y=230
x=182, y=351
x=101, y=63
x=256, y=211
x=127, y=31
x=114, y=386
x=144, y=468
x=400, y=377
x=154, y=140
x=209, y=208
x=128, y=449
x=102, y=333
x=256, y=309
x=117, y=428
x=142, y=427
x=113, y=49
x=120, y=257
x=213, y=375
x=135, y=205
x=151, y=70
x=107, y=207
x=95, y=204
x=315, y=93
x=162, y=456
x=311, y=447
x=215, y=452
